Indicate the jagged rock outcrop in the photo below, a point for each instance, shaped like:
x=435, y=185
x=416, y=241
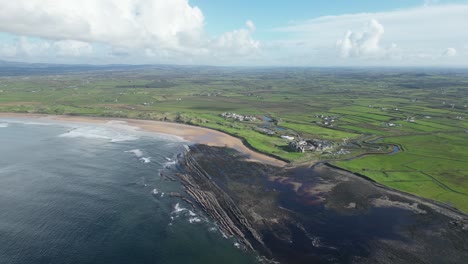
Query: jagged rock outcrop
x=219, y=205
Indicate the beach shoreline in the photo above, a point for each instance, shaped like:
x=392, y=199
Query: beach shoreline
x=194, y=134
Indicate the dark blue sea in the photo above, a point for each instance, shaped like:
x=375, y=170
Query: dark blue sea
x=93, y=193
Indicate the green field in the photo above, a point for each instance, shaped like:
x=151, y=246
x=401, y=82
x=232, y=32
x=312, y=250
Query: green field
x=422, y=111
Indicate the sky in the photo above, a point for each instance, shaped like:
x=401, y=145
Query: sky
x=322, y=33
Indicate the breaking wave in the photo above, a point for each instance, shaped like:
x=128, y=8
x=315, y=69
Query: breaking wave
x=194, y=220
x=3, y=125
x=104, y=133
x=169, y=163
x=192, y=217
x=145, y=160
x=138, y=153
x=178, y=209
x=30, y=123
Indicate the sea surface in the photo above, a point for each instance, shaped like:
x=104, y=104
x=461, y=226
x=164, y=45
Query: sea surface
x=93, y=193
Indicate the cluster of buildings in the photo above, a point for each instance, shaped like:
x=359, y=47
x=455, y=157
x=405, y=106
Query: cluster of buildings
x=238, y=117
x=302, y=145
x=343, y=152
x=327, y=120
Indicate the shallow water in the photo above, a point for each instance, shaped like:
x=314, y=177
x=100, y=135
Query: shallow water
x=78, y=193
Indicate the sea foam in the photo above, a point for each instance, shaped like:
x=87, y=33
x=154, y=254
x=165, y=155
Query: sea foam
x=3, y=125
x=169, y=163
x=194, y=220
x=145, y=160
x=138, y=153
x=192, y=217
x=99, y=132
x=29, y=123
x=178, y=209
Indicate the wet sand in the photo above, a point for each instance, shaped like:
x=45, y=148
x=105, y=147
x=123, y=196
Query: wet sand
x=193, y=134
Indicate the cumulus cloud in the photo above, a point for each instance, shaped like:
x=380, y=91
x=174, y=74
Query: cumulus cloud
x=238, y=41
x=132, y=23
x=450, y=52
x=153, y=28
x=250, y=25
x=421, y=34
x=365, y=44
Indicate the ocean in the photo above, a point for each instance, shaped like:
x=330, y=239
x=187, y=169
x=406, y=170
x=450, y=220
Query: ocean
x=93, y=193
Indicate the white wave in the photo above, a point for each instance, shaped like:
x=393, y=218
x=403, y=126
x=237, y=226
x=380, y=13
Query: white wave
x=169, y=163
x=145, y=160
x=187, y=148
x=194, y=220
x=99, y=132
x=154, y=191
x=168, y=159
x=191, y=213
x=162, y=195
x=224, y=235
x=30, y=123
x=3, y=125
x=178, y=209
x=121, y=125
x=138, y=153
x=316, y=242
x=237, y=245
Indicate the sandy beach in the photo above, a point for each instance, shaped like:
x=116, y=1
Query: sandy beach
x=193, y=134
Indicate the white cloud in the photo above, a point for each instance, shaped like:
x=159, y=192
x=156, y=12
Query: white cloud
x=32, y=48
x=158, y=29
x=72, y=48
x=28, y=47
x=239, y=42
x=412, y=36
x=7, y=51
x=365, y=44
x=130, y=23
x=173, y=31
x=450, y=52
x=24, y=47
x=250, y=25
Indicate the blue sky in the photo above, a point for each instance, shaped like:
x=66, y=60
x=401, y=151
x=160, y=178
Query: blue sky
x=288, y=33
x=227, y=14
